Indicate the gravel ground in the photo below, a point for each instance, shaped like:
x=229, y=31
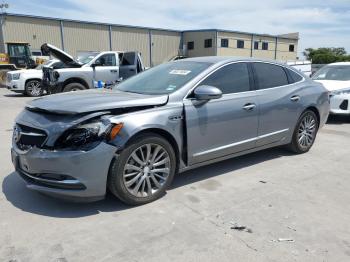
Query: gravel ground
x=266, y=206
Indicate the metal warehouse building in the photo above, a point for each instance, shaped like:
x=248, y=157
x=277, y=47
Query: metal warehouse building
x=156, y=45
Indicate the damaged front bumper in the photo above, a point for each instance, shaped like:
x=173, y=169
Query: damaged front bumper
x=71, y=175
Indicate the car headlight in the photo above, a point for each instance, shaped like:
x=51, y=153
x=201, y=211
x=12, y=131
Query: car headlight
x=16, y=76
x=341, y=92
x=88, y=135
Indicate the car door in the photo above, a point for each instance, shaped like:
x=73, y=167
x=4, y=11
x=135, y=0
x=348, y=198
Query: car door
x=128, y=64
x=278, y=101
x=107, y=68
x=223, y=126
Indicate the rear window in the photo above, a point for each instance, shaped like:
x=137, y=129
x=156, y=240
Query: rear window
x=295, y=77
x=269, y=75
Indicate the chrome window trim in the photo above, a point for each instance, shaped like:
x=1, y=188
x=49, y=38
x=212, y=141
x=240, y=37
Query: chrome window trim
x=242, y=61
x=271, y=63
x=210, y=73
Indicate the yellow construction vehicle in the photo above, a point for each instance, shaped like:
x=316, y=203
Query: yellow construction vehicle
x=18, y=56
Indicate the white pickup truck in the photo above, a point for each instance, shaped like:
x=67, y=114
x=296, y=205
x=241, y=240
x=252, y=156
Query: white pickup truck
x=109, y=67
x=28, y=81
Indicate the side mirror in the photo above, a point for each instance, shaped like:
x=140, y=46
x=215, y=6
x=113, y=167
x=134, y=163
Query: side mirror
x=96, y=63
x=207, y=92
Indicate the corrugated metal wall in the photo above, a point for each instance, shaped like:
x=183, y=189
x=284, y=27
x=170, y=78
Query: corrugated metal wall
x=81, y=37
x=85, y=37
x=32, y=30
x=283, y=52
x=267, y=54
x=132, y=39
x=198, y=38
x=232, y=49
x=165, y=45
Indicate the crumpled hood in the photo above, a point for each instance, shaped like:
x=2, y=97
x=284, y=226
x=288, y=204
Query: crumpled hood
x=94, y=100
x=334, y=85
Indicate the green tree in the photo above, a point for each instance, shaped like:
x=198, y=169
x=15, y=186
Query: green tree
x=326, y=55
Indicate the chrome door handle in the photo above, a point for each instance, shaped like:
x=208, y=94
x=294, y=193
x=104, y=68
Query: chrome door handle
x=295, y=98
x=114, y=71
x=249, y=106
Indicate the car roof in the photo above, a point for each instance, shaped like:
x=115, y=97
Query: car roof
x=340, y=63
x=227, y=59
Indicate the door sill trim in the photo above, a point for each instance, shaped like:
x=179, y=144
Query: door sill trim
x=239, y=143
x=233, y=155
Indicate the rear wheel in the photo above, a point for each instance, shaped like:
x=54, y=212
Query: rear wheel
x=143, y=171
x=305, y=133
x=73, y=87
x=33, y=88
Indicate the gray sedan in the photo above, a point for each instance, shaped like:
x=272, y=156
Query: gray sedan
x=168, y=119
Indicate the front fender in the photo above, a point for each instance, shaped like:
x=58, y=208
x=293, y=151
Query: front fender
x=156, y=119
x=82, y=74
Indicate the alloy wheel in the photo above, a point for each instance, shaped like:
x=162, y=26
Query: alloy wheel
x=307, y=131
x=34, y=88
x=146, y=170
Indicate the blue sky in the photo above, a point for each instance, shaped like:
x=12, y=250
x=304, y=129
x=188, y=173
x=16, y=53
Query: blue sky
x=321, y=23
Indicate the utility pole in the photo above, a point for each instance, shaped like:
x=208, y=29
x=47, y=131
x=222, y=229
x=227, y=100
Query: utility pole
x=3, y=7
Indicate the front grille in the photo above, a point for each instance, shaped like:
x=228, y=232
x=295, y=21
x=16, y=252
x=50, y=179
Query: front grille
x=48, y=74
x=344, y=105
x=8, y=77
x=27, y=137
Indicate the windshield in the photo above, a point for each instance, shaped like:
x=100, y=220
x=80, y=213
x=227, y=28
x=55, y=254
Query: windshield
x=341, y=73
x=18, y=50
x=84, y=59
x=163, y=79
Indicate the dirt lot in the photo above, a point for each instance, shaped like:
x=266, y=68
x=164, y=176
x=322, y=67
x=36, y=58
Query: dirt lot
x=301, y=200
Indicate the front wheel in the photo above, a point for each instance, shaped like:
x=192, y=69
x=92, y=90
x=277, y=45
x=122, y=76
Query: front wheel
x=143, y=171
x=33, y=88
x=305, y=133
x=73, y=87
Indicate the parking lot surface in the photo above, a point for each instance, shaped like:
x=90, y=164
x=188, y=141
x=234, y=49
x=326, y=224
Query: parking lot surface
x=266, y=206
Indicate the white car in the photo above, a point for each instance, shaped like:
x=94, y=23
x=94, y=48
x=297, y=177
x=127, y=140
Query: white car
x=336, y=78
x=28, y=81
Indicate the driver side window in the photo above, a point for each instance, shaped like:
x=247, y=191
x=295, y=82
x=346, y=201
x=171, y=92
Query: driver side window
x=58, y=65
x=233, y=78
x=106, y=60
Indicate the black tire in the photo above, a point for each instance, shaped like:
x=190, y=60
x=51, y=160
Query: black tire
x=298, y=147
x=33, y=88
x=73, y=87
x=116, y=181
